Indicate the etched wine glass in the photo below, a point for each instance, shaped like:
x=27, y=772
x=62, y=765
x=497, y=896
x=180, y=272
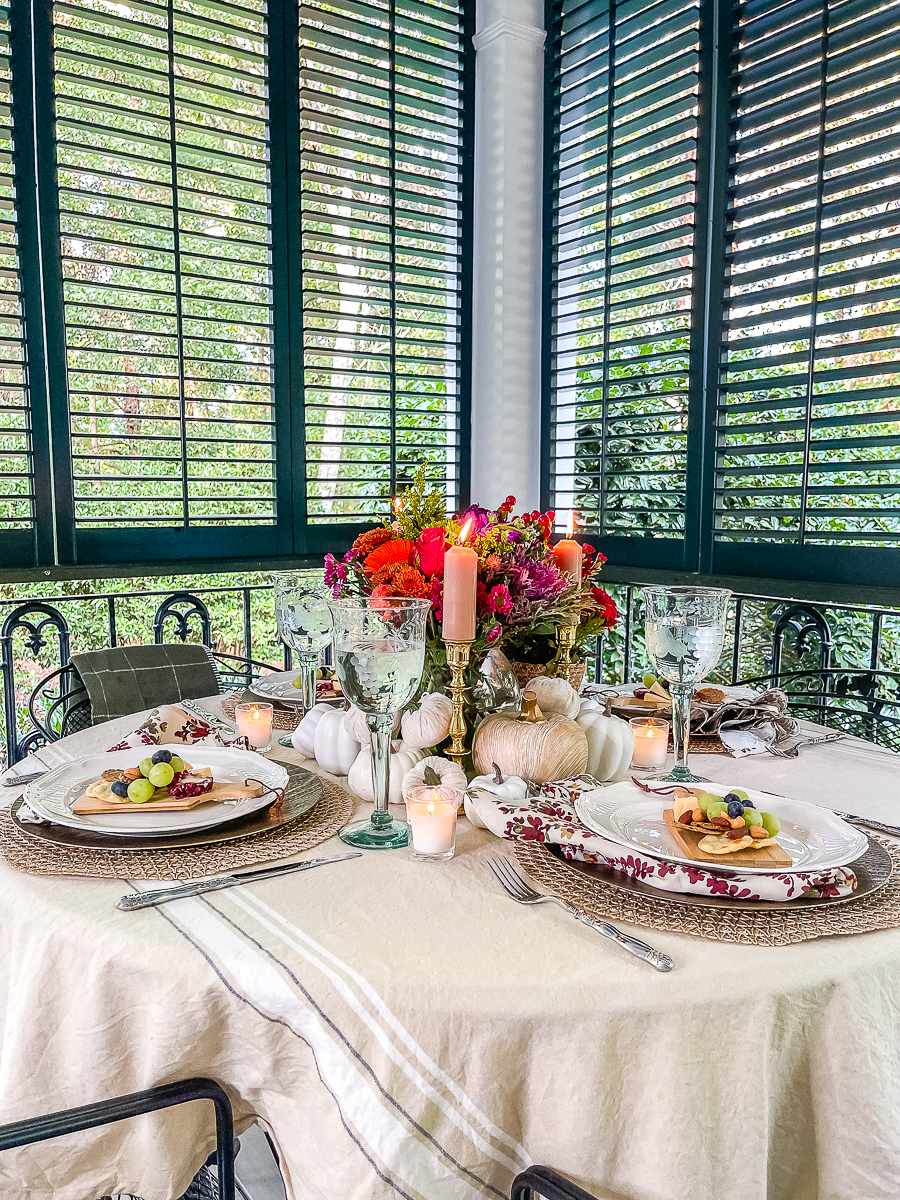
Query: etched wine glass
x=379, y=646
x=304, y=623
x=685, y=633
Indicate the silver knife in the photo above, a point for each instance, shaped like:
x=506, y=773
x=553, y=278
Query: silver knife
x=854, y=820
x=149, y=899
x=633, y=945
x=205, y=715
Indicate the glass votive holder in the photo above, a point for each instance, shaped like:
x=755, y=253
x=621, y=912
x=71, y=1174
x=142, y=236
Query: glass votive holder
x=651, y=741
x=254, y=722
x=431, y=814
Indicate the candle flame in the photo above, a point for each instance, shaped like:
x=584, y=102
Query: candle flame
x=465, y=530
x=256, y=715
x=431, y=808
x=570, y=528
x=397, y=505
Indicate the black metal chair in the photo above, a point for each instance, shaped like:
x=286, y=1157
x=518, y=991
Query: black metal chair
x=858, y=701
x=544, y=1181
x=105, y=1112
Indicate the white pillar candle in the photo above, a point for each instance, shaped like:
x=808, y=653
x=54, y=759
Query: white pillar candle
x=432, y=819
x=254, y=722
x=651, y=741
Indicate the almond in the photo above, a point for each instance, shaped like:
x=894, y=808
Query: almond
x=734, y=834
x=685, y=818
x=757, y=831
x=721, y=822
x=697, y=815
x=132, y=773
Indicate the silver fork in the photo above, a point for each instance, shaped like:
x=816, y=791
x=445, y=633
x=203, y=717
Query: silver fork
x=517, y=889
x=794, y=751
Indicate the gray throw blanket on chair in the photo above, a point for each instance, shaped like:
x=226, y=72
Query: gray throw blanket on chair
x=128, y=679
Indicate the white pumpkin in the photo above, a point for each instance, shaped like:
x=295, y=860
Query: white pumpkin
x=610, y=745
x=335, y=749
x=355, y=724
x=303, y=737
x=451, y=776
x=430, y=723
x=555, y=696
x=359, y=777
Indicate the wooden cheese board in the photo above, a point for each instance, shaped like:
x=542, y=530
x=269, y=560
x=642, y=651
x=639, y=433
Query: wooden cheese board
x=772, y=857
x=218, y=792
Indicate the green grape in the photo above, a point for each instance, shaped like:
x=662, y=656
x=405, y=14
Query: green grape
x=176, y=763
x=140, y=791
x=707, y=799
x=770, y=824
x=145, y=766
x=648, y=679
x=741, y=795
x=718, y=809
x=161, y=775
x=752, y=817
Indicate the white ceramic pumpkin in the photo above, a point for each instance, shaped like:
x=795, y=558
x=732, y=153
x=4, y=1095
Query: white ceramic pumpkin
x=610, y=745
x=336, y=750
x=430, y=723
x=355, y=724
x=303, y=737
x=451, y=776
x=359, y=777
x=555, y=696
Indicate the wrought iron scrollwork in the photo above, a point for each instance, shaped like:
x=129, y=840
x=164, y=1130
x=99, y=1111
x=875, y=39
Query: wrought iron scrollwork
x=181, y=607
x=35, y=640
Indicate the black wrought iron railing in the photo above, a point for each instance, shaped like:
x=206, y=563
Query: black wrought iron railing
x=839, y=663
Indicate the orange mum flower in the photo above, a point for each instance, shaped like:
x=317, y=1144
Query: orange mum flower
x=368, y=541
x=399, y=579
x=396, y=551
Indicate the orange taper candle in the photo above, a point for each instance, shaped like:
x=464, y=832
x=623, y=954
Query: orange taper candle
x=460, y=579
x=568, y=554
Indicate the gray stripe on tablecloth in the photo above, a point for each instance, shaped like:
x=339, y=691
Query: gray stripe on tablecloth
x=424, y=1132
x=278, y=1021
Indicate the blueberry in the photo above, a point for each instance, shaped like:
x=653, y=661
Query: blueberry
x=732, y=796
x=735, y=809
x=120, y=788
x=161, y=756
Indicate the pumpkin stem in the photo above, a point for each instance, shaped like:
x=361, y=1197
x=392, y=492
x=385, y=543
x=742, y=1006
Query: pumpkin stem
x=530, y=709
x=498, y=774
x=431, y=777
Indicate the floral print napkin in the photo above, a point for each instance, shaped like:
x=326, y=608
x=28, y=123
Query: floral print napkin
x=550, y=817
x=170, y=725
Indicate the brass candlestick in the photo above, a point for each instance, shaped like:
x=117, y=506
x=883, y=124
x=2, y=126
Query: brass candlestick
x=457, y=660
x=565, y=637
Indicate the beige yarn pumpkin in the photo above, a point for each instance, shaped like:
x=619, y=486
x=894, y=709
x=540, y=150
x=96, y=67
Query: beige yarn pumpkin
x=530, y=745
x=430, y=723
x=555, y=696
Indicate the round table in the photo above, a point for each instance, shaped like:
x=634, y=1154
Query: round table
x=402, y=1029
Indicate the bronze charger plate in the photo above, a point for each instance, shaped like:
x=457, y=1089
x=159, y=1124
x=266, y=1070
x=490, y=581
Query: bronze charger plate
x=872, y=870
x=303, y=792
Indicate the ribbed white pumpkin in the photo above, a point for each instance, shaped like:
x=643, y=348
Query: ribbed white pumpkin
x=303, y=737
x=355, y=724
x=336, y=751
x=610, y=745
x=554, y=748
x=450, y=775
x=359, y=777
x=430, y=723
x=555, y=696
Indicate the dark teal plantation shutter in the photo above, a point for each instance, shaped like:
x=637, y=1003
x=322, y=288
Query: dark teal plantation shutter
x=622, y=228
x=384, y=205
x=245, y=284
x=808, y=423
x=722, y=286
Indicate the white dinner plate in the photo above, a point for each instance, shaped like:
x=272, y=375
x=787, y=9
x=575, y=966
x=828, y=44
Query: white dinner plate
x=50, y=795
x=814, y=837
x=278, y=686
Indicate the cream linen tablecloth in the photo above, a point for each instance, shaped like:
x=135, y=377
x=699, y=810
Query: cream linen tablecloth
x=404, y=1030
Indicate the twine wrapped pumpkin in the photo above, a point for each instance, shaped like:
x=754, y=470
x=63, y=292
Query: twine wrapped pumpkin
x=530, y=745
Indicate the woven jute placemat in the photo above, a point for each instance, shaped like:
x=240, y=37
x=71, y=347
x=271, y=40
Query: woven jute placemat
x=43, y=858
x=881, y=910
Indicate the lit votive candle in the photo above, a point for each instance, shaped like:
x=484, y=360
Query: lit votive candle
x=651, y=741
x=254, y=722
x=431, y=814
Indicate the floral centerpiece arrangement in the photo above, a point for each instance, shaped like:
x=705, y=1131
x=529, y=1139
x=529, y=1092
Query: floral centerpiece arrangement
x=523, y=596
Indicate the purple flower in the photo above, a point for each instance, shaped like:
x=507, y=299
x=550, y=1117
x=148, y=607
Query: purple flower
x=539, y=580
x=493, y=635
x=335, y=574
x=480, y=517
x=513, y=535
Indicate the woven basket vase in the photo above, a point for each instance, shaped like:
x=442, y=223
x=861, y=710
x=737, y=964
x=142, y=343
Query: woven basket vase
x=525, y=672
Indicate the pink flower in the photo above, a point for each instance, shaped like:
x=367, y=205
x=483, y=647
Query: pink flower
x=430, y=548
x=500, y=601
x=335, y=574
x=493, y=635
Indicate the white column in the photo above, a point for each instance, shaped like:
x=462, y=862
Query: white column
x=506, y=347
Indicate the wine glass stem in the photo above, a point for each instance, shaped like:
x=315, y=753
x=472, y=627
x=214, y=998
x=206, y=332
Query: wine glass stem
x=380, y=727
x=308, y=666
x=681, y=694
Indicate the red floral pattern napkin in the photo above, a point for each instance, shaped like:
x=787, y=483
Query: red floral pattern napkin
x=170, y=725
x=551, y=817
